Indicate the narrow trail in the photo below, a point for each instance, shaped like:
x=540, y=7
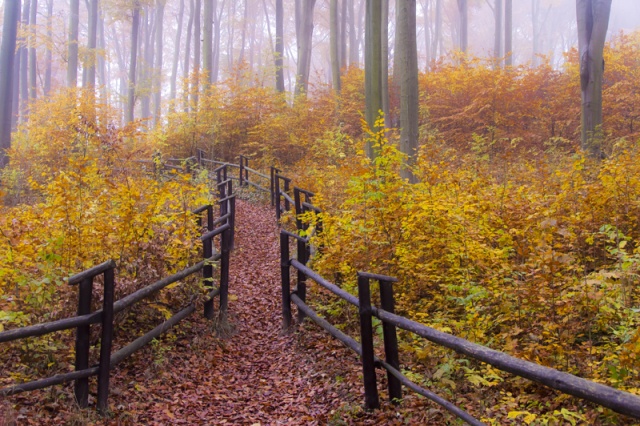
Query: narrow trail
x=257, y=375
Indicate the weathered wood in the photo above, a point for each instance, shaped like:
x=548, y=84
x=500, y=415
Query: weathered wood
x=215, y=232
x=371, y=399
x=292, y=235
x=137, y=344
x=147, y=291
x=619, y=401
x=258, y=187
x=105, y=342
x=310, y=273
x=285, y=280
x=377, y=277
x=387, y=302
x=207, y=275
x=50, y=327
x=255, y=172
x=81, y=387
x=49, y=381
x=333, y=331
x=430, y=395
x=225, y=248
x=221, y=219
x=91, y=272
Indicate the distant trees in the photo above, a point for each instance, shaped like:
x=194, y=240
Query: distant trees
x=463, y=11
x=7, y=58
x=593, y=21
x=131, y=87
x=373, y=66
x=72, y=55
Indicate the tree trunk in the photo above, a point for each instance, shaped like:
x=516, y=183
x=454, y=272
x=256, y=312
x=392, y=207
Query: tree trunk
x=593, y=21
x=187, y=55
x=131, y=92
x=157, y=68
x=72, y=56
x=334, y=36
x=207, y=40
x=427, y=33
x=343, y=35
x=196, y=54
x=497, y=41
x=464, y=19
x=508, y=32
x=24, y=65
x=354, y=52
x=279, y=62
x=32, y=51
x=216, y=41
x=373, y=68
x=304, y=34
x=243, y=38
x=91, y=45
x=176, y=54
x=103, y=71
x=7, y=59
x=384, y=62
x=407, y=67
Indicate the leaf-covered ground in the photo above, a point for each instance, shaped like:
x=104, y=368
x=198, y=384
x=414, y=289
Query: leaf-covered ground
x=253, y=375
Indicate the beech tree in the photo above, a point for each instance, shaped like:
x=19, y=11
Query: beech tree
x=334, y=41
x=304, y=36
x=593, y=21
x=7, y=58
x=464, y=25
x=279, y=59
x=406, y=66
x=372, y=66
x=131, y=90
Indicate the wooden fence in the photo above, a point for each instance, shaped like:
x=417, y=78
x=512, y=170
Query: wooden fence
x=617, y=400
x=223, y=227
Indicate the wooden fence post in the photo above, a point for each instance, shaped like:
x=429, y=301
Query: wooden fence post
x=232, y=222
x=276, y=195
x=241, y=177
x=207, y=275
x=285, y=265
x=81, y=386
x=371, y=400
x=210, y=217
x=387, y=302
x=287, y=205
x=106, y=340
x=225, y=243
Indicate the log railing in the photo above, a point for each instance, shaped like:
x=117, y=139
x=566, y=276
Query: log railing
x=222, y=226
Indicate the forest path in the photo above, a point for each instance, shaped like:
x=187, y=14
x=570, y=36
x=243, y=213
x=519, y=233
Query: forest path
x=257, y=375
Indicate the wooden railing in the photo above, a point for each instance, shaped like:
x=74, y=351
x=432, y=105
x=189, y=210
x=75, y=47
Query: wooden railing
x=617, y=400
x=223, y=226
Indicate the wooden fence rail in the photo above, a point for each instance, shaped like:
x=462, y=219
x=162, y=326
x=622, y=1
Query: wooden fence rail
x=84, y=318
x=617, y=400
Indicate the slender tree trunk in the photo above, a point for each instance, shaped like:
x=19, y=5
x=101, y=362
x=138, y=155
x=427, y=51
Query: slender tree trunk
x=187, y=55
x=131, y=92
x=343, y=34
x=427, y=33
x=334, y=36
x=230, y=35
x=176, y=54
x=24, y=64
x=103, y=72
x=464, y=19
x=7, y=59
x=244, y=31
x=91, y=45
x=216, y=41
x=32, y=51
x=207, y=40
x=508, y=32
x=72, y=56
x=196, y=53
x=372, y=69
x=384, y=65
x=593, y=21
x=157, y=80
x=407, y=67
x=279, y=62
x=497, y=40
x=304, y=33
x=354, y=56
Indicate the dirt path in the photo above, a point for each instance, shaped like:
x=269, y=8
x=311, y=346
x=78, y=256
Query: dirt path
x=257, y=375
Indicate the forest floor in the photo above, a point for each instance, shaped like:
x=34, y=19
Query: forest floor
x=253, y=375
